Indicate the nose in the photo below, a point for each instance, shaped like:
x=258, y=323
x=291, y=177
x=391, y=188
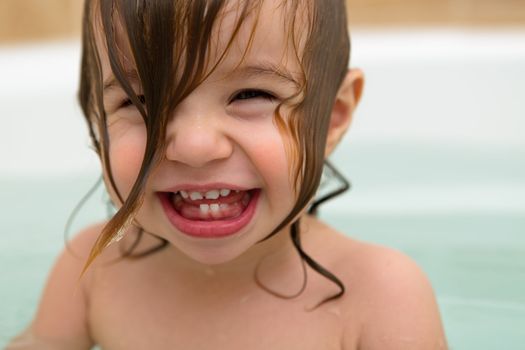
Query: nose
x=197, y=139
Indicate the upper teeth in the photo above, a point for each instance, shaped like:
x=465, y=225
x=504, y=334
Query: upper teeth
x=212, y=194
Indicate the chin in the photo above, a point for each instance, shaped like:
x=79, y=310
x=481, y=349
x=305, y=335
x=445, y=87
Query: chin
x=211, y=255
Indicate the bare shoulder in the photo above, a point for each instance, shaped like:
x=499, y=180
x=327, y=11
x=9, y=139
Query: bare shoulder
x=398, y=305
x=394, y=301
x=61, y=320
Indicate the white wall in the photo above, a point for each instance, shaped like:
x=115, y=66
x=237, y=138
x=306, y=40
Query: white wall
x=42, y=131
x=459, y=86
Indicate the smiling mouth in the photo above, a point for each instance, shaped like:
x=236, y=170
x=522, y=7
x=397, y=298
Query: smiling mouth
x=211, y=214
x=220, y=204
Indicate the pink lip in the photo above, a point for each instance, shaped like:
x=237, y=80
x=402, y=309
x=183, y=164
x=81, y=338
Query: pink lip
x=208, y=229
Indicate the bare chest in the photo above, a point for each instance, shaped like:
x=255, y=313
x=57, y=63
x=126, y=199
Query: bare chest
x=136, y=316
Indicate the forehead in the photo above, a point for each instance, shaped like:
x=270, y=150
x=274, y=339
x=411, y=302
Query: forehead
x=265, y=35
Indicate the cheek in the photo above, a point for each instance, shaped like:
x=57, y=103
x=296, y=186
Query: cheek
x=126, y=154
x=269, y=156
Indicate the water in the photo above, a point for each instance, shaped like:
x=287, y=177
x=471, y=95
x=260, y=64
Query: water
x=475, y=263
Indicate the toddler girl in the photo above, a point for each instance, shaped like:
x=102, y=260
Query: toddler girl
x=213, y=121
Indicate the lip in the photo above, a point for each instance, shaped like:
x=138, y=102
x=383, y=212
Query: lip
x=212, y=228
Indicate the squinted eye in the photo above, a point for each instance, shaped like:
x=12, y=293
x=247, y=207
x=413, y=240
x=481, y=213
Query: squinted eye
x=127, y=102
x=252, y=94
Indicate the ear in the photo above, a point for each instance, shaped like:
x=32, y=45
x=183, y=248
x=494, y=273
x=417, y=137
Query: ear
x=346, y=101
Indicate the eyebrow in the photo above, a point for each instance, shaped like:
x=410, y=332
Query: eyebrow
x=264, y=68
x=268, y=69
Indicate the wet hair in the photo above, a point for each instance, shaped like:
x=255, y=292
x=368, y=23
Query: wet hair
x=170, y=42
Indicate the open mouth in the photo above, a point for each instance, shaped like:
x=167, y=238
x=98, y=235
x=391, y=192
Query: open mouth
x=220, y=204
x=212, y=213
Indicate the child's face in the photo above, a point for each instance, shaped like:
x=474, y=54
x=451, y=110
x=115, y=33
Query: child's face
x=221, y=137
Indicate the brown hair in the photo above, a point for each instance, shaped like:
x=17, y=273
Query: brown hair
x=169, y=42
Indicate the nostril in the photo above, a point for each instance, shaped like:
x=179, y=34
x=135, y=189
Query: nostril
x=196, y=148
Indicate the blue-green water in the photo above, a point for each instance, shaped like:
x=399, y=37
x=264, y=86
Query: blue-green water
x=474, y=260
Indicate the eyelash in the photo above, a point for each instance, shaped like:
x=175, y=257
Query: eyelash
x=127, y=102
x=247, y=94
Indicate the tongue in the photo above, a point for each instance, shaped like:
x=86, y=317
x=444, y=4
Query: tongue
x=212, y=212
